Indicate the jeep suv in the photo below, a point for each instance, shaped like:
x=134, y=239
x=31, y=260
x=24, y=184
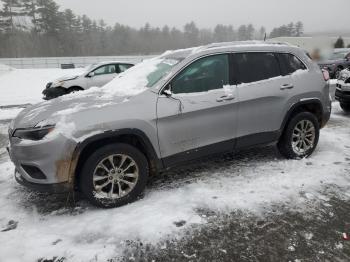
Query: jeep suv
x=169, y=110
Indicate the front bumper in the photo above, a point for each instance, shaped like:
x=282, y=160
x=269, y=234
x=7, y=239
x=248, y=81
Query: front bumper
x=342, y=93
x=51, y=158
x=53, y=92
x=50, y=188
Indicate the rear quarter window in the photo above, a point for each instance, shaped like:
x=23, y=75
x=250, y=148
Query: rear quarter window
x=123, y=67
x=290, y=63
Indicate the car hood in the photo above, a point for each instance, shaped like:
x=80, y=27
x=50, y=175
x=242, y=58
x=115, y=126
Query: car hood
x=329, y=62
x=68, y=77
x=51, y=112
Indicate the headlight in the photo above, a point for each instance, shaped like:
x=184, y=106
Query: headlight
x=36, y=133
x=57, y=84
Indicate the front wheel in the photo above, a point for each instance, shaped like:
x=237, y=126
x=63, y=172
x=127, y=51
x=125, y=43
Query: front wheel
x=114, y=175
x=300, y=137
x=345, y=107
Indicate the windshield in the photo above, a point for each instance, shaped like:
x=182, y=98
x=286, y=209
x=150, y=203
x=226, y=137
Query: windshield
x=142, y=76
x=88, y=68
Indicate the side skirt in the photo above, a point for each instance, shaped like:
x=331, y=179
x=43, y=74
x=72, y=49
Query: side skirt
x=228, y=146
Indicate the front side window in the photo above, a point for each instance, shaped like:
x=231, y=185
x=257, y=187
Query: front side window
x=107, y=69
x=290, y=63
x=255, y=67
x=205, y=74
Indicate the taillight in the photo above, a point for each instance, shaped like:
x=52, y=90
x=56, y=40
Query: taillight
x=325, y=74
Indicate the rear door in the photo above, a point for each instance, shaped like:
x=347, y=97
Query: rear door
x=263, y=94
x=199, y=118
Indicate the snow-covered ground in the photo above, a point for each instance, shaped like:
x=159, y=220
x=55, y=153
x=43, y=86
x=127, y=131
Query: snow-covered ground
x=34, y=226
x=44, y=226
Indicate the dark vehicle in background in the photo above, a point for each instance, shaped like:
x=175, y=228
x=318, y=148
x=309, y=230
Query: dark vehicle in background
x=342, y=92
x=337, y=61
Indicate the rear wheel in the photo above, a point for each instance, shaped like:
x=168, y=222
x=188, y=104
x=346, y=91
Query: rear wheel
x=114, y=175
x=300, y=137
x=345, y=107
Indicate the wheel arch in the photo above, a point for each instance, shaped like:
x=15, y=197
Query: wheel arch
x=313, y=106
x=75, y=87
x=134, y=137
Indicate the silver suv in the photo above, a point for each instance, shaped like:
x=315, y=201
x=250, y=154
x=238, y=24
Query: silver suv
x=168, y=110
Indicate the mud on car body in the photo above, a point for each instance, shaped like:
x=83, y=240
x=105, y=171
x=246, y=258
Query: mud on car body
x=169, y=110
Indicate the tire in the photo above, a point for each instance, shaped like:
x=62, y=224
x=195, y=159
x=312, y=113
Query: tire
x=289, y=142
x=345, y=107
x=94, y=176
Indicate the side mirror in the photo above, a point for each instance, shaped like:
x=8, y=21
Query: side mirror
x=167, y=92
x=91, y=74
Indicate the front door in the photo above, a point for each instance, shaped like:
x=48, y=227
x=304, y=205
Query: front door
x=199, y=118
x=102, y=75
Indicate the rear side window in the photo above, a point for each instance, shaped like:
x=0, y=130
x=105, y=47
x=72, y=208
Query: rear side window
x=106, y=69
x=123, y=67
x=255, y=67
x=290, y=63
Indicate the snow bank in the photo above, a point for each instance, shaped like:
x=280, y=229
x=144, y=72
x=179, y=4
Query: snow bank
x=22, y=86
x=9, y=113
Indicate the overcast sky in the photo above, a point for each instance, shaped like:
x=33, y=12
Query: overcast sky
x=317, y=15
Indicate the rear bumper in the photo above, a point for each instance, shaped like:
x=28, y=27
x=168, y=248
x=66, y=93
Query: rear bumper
x=50, y=188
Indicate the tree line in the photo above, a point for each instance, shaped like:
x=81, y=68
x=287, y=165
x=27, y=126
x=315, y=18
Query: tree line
x=39, y=28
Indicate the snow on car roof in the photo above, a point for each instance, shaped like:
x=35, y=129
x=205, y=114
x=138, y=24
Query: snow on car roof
x=183, y=53
x=115, y=62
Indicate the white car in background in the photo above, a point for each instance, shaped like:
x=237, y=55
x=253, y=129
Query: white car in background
x=94, y=75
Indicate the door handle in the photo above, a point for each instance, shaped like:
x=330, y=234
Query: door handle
x=286, y=86
x=225, y=98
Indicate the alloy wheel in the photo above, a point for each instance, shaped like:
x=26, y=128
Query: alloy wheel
x=303, y=137
x=115, y=176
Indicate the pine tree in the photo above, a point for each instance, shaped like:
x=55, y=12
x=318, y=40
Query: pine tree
x=339, y=43
x=49, y=19
x=299, y=29
x=30, y=9
x=11, y=9
x=250, y=32
x=191, y=34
